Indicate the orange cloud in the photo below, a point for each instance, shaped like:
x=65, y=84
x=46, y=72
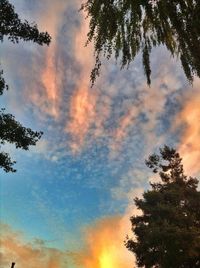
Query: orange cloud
x=50, y=73
x=105, y=245
x=48, y=98
x=49, y=81
x=189, y=145
x=124, y=124
x=122, y=131
x=83, y=102
x=83, y=53
x=104, y=248
x=14, y=249
x=89, y=108
x=82, y=116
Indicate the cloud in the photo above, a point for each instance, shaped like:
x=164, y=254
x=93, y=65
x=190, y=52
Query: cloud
x=104, y=240
x=47, y=96
x=50, y=76
x=83, y=101
x=130, y=184
x=104, y=245
x=189, y=119
x=55, y=87
x=24, y=254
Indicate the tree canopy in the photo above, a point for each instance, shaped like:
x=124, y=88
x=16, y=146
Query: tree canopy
x=15, y=30
x=167, y=234
x=127, y=27
x=11, y=131
x=12, y=27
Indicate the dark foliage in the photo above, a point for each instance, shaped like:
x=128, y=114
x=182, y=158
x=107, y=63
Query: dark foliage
x=168, y=231
x=126, y=27
x=12, y=27
x=3, y=85
x=12, y=131
x=15, y=30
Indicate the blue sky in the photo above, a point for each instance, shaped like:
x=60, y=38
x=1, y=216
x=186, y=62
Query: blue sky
x=89, y=164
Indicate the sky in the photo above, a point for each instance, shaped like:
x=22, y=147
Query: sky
x=69, y=203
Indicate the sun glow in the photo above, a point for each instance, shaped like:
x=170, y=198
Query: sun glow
x=106, y=260
x=104, y=246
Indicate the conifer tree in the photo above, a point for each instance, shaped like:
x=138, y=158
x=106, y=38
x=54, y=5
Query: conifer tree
x=167, y=234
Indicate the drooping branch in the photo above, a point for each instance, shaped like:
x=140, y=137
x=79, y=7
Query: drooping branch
x=125, y=28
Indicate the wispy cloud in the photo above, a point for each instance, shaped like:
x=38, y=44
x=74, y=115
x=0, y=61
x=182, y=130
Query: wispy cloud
x=189, y=120
x=56, y=85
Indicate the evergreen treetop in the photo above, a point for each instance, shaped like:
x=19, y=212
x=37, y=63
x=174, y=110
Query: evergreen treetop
x=167, y=234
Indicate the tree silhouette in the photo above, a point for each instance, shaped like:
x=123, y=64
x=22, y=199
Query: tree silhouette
x=15, y=30
x=12, y=131
x=12, y=27
x=125, y=28
x=168, y=231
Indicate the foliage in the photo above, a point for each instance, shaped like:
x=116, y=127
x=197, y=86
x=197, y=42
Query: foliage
x=3, y=85
x=12, y=27
x=126, y=27
x=168, y=231
x=12, y=131
x=15, y=30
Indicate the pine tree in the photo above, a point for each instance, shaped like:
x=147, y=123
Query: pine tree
x=167, y=234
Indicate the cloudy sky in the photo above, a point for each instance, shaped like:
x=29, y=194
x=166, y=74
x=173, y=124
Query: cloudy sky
x=70, y=201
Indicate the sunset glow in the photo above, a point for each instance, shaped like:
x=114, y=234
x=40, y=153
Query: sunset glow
x=69, y=203
x=106, y=260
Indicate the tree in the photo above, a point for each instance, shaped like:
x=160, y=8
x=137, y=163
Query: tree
x=126, y=27
x=167, y=234
x=12, y=131
x=15, y=30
